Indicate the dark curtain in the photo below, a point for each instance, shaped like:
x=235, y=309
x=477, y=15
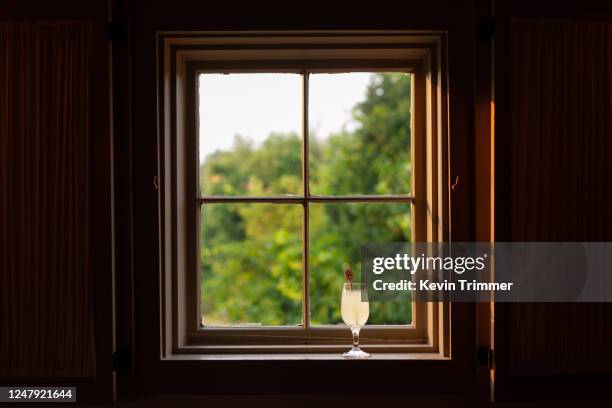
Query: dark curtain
x=561, y=115
x=46, y=296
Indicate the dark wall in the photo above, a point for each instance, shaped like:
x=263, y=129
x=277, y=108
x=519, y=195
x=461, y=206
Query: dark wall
x=135, y=107
x=53, y=10
x=551, y=9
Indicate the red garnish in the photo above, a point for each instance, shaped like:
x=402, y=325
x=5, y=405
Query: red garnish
x=348, y=274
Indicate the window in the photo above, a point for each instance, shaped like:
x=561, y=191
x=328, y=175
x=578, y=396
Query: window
x=281, y=157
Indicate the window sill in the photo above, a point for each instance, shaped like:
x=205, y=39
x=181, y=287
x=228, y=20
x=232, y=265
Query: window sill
x=301, y=351
x=250, y=373
x=301, y=356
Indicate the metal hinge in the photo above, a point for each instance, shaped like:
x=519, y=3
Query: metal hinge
x=122, y=360
x=155, y=183
x=485, y=356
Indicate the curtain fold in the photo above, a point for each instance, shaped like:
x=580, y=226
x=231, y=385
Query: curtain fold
x=561, y=115
x=46, y=294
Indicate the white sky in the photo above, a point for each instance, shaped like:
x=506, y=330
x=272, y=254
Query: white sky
x=255, y=105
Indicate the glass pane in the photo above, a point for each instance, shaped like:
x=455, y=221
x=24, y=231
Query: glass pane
x=251, y=264
x=337, y=232
x=359, y=133
x=250, y=134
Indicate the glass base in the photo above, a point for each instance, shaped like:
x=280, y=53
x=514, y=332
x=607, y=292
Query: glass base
x=356, y=353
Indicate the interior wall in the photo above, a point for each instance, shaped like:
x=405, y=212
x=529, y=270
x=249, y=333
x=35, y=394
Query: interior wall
x=137, y=106
x=147, y=17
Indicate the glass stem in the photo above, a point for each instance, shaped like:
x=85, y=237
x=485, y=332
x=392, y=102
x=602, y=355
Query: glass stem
x=355, y=331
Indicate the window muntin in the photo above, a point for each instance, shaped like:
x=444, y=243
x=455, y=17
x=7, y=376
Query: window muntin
x=386, y=202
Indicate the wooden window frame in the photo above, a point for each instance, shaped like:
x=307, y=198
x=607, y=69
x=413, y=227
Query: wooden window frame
x=182, y=57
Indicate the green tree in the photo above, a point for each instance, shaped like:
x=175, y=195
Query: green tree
x=251, y=253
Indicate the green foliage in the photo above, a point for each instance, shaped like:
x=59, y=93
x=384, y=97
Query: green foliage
x=251, y=254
